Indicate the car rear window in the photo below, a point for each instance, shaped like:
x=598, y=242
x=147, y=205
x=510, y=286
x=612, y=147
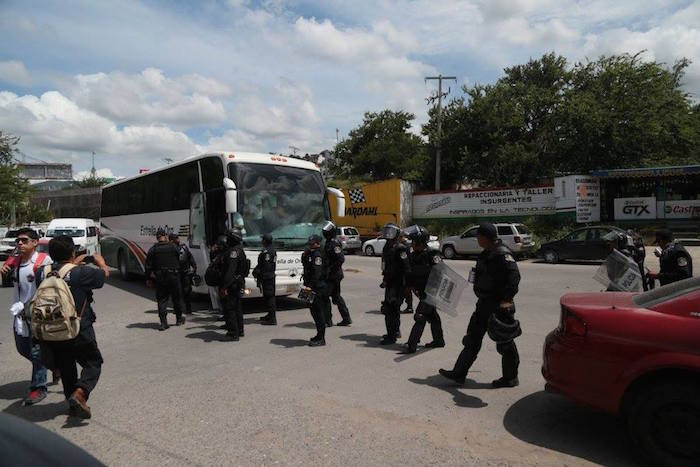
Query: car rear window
x=667, y=292
x=12, y=234
x=351, y=231
x=522, y=229
x=504, y=230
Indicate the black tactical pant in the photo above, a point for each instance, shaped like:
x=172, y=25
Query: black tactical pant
x=318, y=312
x=478, y=326
x=268, y=290
x=186, y=287
x=233, y=312
x=425, y=314
x=393, y=295
x=643, y=273
x=408, y=298
x=334, y=294
x=168, y=287
x=82, y=350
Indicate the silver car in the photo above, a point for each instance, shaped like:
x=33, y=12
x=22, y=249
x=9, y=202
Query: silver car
x=350, y=239
x=517, y=237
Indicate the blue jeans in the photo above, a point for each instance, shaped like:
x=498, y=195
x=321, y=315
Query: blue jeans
x=30, y=350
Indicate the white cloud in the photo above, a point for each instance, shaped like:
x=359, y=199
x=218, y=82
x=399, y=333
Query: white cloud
x=99, y=173
x=151, y=98
x=14, y=72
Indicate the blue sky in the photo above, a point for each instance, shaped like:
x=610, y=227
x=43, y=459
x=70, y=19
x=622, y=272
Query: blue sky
x=137, y=82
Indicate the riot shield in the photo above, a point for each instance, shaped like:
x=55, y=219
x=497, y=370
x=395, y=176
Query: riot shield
x=619, y=273
x=444, y=288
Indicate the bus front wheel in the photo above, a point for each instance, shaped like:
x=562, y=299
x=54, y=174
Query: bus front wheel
x=121, y=264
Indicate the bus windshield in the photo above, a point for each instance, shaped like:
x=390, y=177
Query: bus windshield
x=71, y=232
x=287, y=202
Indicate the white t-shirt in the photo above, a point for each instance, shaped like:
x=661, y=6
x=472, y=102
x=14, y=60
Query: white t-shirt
x=26, y=288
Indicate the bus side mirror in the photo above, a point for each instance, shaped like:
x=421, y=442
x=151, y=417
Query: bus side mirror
x=231, y=196
x=339, y=200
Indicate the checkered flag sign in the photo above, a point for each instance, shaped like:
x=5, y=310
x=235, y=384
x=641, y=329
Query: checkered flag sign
x=357, y=196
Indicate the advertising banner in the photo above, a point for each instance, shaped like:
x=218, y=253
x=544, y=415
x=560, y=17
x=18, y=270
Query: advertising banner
x=587, y=199
x=485, y=203
x=635, y=208
x=679, y=209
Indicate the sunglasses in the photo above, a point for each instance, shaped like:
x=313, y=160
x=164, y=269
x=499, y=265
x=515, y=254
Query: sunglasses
x=21, y=240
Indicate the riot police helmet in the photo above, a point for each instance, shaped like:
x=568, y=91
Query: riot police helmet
x=173, y=236
x=329, y=230
x=161, y=232
x=266, y=239
x=390, y=231
x=314, y=239
x=234, y=236
x=663, y=235
x=221, y=240
x=417, y=234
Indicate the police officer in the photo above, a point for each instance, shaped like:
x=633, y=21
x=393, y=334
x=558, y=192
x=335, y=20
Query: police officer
x=188, y=268
x=408, y=294
x=395, y=266
x=335, y=258
x=234, y=279
x=313, y=262
x=495, y=284
x=639, y=253
x=616, y=241
x=162, y=266
x=264, y=274
x=674, y=260
x=218, y=249
x=422, y=260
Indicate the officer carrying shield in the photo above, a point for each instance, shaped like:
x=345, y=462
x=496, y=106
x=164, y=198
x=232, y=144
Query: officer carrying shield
x=313, y=262
x=422, y=260
x=395, y=266
x=264, y=274
x=335, y=258
x=234, y=279
x=162, y=267
x=495, y=284
x=188, y=268
x=674, y=260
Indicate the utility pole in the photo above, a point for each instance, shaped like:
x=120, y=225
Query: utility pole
x=294, y=150
x=337, y=136
x=438, y=97
x=93, y=171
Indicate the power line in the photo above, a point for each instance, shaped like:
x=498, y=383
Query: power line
x=438, y=97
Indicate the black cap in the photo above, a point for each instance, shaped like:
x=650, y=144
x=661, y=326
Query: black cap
x=664, y=235
x=314, y=239
x=266, y=238
x=221, y=240
x=161, y=232
x=488, y=230
x=173, y=236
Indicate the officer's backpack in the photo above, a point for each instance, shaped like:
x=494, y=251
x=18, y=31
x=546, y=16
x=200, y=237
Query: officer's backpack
x=52, y=312
x=214, y=275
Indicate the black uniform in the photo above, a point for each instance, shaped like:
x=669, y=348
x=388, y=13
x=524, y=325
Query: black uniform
x=313, y=262
x=162, y=265
x=638, y=254
x=395, y=266
x=234, y=280
x=421, y=264
x=496, y=280
x=675, y=264
x=264, y=274
x=188, y=267
x=334, y=259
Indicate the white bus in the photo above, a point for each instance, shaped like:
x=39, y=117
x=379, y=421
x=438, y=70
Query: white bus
x=202, y=196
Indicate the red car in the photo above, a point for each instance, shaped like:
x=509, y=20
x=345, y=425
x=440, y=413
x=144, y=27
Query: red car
x=636, y=355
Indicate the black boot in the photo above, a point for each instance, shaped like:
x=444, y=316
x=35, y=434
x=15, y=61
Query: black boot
x=163, y=323
x=317, y=343
x=180, y=321
x=409, y=349
x=388, y=340
x=450, y=374
x=505, y=383
x=435, y=344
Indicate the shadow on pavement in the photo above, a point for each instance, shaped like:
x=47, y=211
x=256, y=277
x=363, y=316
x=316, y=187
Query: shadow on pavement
x=14, y=390
x=210, y=336
x=373, y=312
x=403, y=357
x=461, y=399
x=302, y=325
x=556, y=423
x=154, y=325
x=370, y=341
x=38, y=413
x=289, y=343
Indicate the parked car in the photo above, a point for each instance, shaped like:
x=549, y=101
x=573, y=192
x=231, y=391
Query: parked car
x=636, y=355
x=584, y=244
x=350, y=239
x=83, y=231
x=8, y=244
x=375, y=246
x=516, y=237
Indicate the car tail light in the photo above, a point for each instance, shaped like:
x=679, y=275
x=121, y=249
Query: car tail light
x=342, y=238
x=572, y=324
x=517, y=239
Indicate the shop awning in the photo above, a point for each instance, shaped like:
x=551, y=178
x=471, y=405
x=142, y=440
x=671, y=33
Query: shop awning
x=648, y=172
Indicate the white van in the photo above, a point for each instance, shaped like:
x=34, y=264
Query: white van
x=83, y=231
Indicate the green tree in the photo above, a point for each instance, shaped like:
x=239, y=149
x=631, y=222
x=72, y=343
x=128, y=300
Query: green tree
x=91, y=182
x=381, y=147
x=14, y=190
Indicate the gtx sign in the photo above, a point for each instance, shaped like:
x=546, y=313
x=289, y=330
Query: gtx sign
x=635, y=208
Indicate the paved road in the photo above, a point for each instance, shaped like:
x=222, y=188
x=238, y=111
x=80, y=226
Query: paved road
x=185, y=397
